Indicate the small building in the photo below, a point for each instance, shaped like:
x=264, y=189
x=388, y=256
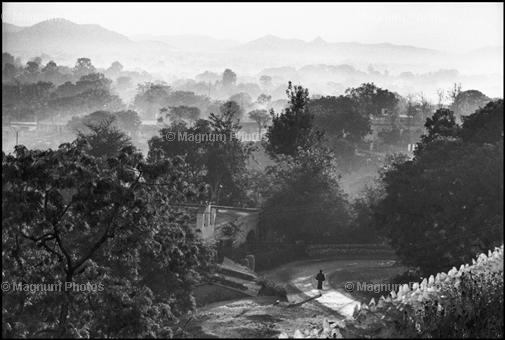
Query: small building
x=231, y=225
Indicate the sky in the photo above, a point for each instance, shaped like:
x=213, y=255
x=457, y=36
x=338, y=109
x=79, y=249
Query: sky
x=445, y=26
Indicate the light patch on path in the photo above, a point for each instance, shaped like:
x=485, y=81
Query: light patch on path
x=300, y=275
x=329, y=298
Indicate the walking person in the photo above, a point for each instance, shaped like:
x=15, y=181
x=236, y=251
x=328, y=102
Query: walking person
x=320, y=278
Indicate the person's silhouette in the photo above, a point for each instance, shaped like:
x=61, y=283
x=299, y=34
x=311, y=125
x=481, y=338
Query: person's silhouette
x=320, y=278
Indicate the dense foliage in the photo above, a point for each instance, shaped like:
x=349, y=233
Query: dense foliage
x=212, y=151
x=305, y=202
x=293, y=128
x=446, y=204
x=103, y=223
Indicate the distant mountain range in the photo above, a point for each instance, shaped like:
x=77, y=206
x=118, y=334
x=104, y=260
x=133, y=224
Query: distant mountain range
x=55, y=32
x=63, y=38
x=190, y=42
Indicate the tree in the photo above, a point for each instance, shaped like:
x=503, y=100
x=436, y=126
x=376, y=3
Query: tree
x=150, y=98
x=128, y=120
x=179, y=113
x=26, y=101
x=467, y=102
x=115, y=69
x=231, y=110
x=343, y=125
x=264, y=100
x=305, y=200
x=229, y=78
x=292, y=129
x=445, y=205
x=340, y=117
x=7, y=58
x=83, y=67
x=485, y=125
x=441, y=124
x=261, y=117
x=372, y=100
x=95, y=118
x=104, y=139
x=243, y=99
x=109, y=226
x=32, y=67
x=214, y=156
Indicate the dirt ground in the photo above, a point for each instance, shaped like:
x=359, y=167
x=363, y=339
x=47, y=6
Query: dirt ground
x=262, y=317
x=254, y=318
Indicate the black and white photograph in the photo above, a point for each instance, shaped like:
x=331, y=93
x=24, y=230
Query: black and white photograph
x=252, y=170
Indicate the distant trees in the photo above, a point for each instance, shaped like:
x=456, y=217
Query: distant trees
x=91, y=93
x=151, y=98
x=104, y=139
x=229, y=78
x=264, y=99
x=344, y=126
x=340, y=118
x=127, y=121
x=41, y=100
x=83, y=67
x=213, y=154
x=180, y=113
x=26, y=101
x=114, y=69
x=372, y=100
x=243, y=99
x=7, y=58
x=261, y=117
x=446, y=205
x=232, y=110
x=467, y=102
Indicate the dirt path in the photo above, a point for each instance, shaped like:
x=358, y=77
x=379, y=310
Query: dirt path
x=261, y=317
x=300, y=276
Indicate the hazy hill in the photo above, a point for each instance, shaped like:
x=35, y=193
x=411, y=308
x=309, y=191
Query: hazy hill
x=10, y=28
x=66, y=41
x=54, y=32
x=190, y=42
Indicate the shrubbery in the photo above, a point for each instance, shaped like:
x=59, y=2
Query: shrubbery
x=271, y=288
x=446, y=204
x=464, y=303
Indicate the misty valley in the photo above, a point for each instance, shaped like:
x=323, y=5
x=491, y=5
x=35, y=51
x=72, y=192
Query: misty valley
x=166, y=185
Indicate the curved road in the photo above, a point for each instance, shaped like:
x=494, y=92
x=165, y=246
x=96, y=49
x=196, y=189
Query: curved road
x=260, y=317
x=301, y=284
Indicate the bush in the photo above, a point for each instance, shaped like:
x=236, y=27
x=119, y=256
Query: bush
x=271, y=288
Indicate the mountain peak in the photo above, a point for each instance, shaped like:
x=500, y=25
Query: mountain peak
x=56, y=22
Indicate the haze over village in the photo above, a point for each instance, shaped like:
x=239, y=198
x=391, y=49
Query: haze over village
x=271, y=170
